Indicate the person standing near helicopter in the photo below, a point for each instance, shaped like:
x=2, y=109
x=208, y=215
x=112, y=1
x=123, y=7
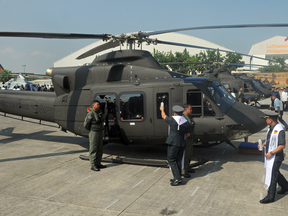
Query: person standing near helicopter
x=189, y=142
x=241, y=95
x=179, y=127
x=93, y=123
x=274, y=155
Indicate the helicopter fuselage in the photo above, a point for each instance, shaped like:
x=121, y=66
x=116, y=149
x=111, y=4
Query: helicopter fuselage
x=130, y=87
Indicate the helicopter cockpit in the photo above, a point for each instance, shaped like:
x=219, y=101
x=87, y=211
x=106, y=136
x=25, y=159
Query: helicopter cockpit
x=202, y=103
x=222, y=98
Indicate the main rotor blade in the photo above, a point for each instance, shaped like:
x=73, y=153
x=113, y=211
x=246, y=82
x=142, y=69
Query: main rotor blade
x=54, y=35
x=213, y=27
x=105, y=46
x=171, y=63
x=206, y=48
x=253, y=65
x=205, y=65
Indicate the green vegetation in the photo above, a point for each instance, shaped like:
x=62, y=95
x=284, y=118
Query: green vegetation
x=202, y=61
x=276, y=65
x=5, y=75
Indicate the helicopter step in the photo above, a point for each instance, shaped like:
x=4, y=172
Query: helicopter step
x=144, y=162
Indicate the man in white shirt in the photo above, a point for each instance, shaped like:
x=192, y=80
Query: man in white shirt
x=284, y=99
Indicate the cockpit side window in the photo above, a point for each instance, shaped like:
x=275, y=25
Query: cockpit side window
x=207, y=108
x=200, y=104
x=226, y=85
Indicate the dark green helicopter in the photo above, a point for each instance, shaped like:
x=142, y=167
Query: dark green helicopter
x=130, y=85
x=249, y=85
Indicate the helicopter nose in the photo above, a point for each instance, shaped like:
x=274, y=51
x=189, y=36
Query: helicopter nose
x=250, y=117
x=266, y=92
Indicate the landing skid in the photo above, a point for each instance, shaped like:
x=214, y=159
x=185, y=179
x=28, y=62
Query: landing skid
x=208, y=144
x=144, y=162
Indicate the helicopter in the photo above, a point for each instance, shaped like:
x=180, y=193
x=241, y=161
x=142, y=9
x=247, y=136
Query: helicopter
x=263, y=84
x=130, y=85
x=249, y=85
x=235, y=82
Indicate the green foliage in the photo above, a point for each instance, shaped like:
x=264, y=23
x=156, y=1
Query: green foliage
x=276, y=65
x=233, y=58
x=5, y=75
x=207, y=57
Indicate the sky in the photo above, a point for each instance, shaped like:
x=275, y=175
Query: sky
x=123, y=16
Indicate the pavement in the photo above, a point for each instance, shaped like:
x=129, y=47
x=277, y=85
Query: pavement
x=41, y=174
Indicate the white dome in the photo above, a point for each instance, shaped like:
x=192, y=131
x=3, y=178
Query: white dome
x=71, y=60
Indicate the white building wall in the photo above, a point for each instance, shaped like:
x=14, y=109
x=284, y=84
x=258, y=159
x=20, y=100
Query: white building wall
x=273, y=47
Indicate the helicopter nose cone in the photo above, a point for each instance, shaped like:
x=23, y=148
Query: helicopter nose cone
x=266, y=92
x=250, y=117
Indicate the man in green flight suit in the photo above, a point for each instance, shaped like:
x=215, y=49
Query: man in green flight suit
x=189, y=142
x=93, y=123
x=241, y=95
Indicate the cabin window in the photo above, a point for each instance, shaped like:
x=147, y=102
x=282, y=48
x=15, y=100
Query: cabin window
x=132, y=106
x=194, y=98
x=108, y=105
x=162, y=97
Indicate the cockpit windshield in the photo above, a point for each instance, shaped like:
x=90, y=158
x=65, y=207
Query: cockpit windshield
x=256, y=85
x=223, y=99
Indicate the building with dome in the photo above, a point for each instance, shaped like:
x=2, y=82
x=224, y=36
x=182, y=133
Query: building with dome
x=71, y=60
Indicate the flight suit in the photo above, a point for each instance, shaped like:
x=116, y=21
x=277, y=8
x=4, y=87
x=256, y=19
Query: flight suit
x=176, y=145
x=93, y=122
x=189, y=144
x=241, y=97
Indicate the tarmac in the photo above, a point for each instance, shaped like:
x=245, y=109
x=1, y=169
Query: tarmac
x=41, y=174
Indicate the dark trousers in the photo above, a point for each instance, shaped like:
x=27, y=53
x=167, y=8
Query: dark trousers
x=281, y=120
x=174, y=157
x=276, y=177
x=188, y=154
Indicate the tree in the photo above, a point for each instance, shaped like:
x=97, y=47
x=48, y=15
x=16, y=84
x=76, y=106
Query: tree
x=276, y=65
x=233, y=58
x=207, y=58
x=5, y=75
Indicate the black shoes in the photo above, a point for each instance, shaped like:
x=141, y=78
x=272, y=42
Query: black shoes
x=191, y=171
x=282, y=191
x=175, y=182
x=95, y=168
x=101, y=166
x=265, y=201
x=186, y=175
